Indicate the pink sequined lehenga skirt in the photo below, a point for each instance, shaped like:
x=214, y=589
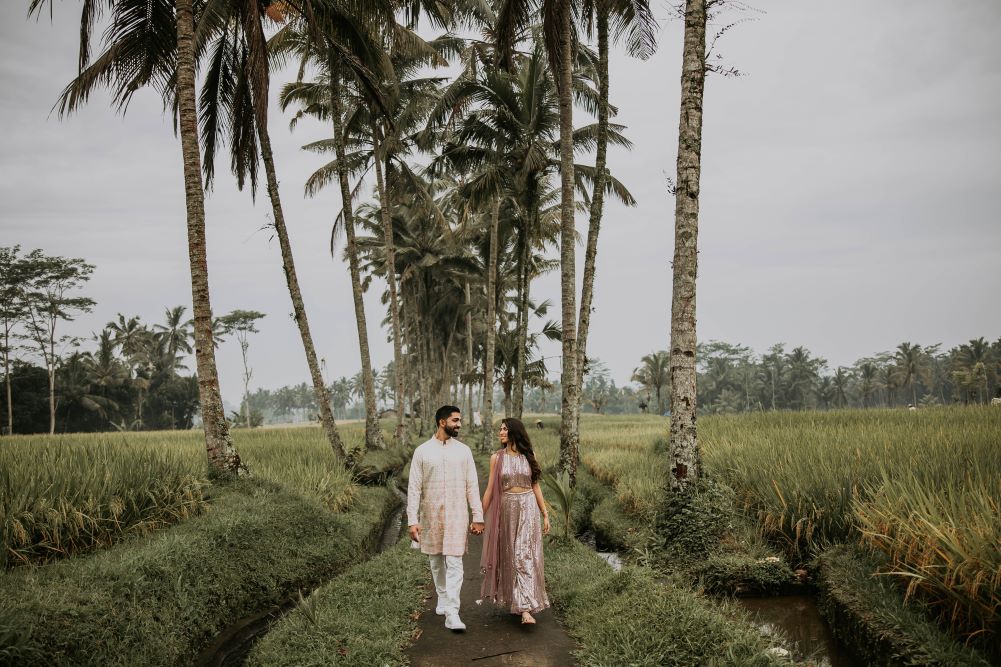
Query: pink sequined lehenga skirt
x=519, y=559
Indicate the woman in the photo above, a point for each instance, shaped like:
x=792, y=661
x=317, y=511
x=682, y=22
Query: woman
x=512, y=543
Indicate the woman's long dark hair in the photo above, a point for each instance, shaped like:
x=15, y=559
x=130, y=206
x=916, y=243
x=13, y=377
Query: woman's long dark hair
x=516, y=433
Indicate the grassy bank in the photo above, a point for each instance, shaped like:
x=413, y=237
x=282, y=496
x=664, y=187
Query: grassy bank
x=631, y=618
x=366, y=616
x=869, y=615
x=157, y=600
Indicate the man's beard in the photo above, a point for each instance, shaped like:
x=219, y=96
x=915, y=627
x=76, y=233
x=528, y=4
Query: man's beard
x=451, y=431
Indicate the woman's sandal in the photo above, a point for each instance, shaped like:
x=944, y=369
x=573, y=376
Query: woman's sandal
x=527, y=620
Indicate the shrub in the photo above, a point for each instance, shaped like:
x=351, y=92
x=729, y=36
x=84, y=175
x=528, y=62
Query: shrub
x=692, y=523
x=742, y=574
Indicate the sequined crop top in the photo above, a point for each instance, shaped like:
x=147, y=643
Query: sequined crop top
x=515, y=472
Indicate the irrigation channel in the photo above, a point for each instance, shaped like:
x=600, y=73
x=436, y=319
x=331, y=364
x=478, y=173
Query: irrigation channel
x=232, y=645
x=795, y=618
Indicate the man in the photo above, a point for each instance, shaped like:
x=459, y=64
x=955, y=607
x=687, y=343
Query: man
x=442, y=491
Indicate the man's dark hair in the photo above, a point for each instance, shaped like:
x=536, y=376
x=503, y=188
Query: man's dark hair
x=444, y=412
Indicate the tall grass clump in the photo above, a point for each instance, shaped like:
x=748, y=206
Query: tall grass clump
x=943, y=542
x=58, y=499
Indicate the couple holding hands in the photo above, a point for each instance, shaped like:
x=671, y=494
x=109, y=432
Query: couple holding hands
x=443, y=489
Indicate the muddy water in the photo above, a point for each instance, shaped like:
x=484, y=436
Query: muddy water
x=797, y=618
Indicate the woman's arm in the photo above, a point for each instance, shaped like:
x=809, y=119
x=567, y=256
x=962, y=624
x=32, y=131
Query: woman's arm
x=542, y=507
x=488, y=494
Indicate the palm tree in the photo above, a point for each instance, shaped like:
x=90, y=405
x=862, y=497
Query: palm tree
x=654, y=375
x=867, y=376
x=685, y=459
x=840, y=383
x=912, y=365
x=338, y=68
x=175, y=333
x=151, y=43
x=235, y=106
x=803, y=376
x=559, y=37
x=634, y=18
x=976, y=359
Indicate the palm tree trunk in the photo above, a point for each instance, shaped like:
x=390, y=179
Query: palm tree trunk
x=569, y=432
x=222, y=456
x=598, y=198
x=491, y=331
x=469, y=352
x=521, y=358
x=394, y=311
x=373, y=434
x=298, y=306
x=684, y=450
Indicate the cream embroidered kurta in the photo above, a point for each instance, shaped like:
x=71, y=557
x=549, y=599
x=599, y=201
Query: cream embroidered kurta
x=441, y=491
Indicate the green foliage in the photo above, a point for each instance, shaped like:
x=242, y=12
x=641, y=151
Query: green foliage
x=366, y=616
x=692, y=523
x=743, y=574
x=562, y=493
x=158, y=600
x=641, y=621
x=870, y=614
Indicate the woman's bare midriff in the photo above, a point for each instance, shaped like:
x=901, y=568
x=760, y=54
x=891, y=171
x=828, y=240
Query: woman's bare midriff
x=517, y=489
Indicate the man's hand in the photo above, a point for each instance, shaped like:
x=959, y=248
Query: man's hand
x=415, y=532
x=477, y=527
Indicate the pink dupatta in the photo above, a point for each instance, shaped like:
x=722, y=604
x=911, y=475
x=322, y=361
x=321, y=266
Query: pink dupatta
x=488, y=559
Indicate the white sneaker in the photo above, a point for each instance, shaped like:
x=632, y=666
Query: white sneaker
x=440, y=611
x=453, y=622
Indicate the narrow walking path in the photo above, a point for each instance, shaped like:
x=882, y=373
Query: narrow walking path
x=492, y=637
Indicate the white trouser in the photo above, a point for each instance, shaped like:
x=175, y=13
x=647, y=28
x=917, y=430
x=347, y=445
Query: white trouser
x=447, y=574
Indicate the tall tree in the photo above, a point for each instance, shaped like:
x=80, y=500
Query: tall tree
x=151, y=43
x=234, y=101
x=559, y=37
x=12, y=313
x=49, y=286
x=685, y=459
x=242, y=323
x=653, y=374
x=912, y=365
x=175, y=333
x=633, y=19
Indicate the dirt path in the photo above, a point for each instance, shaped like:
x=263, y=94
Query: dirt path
x=492, y=637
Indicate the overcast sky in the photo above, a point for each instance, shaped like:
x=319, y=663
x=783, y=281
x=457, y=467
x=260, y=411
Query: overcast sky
x=851, y=194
